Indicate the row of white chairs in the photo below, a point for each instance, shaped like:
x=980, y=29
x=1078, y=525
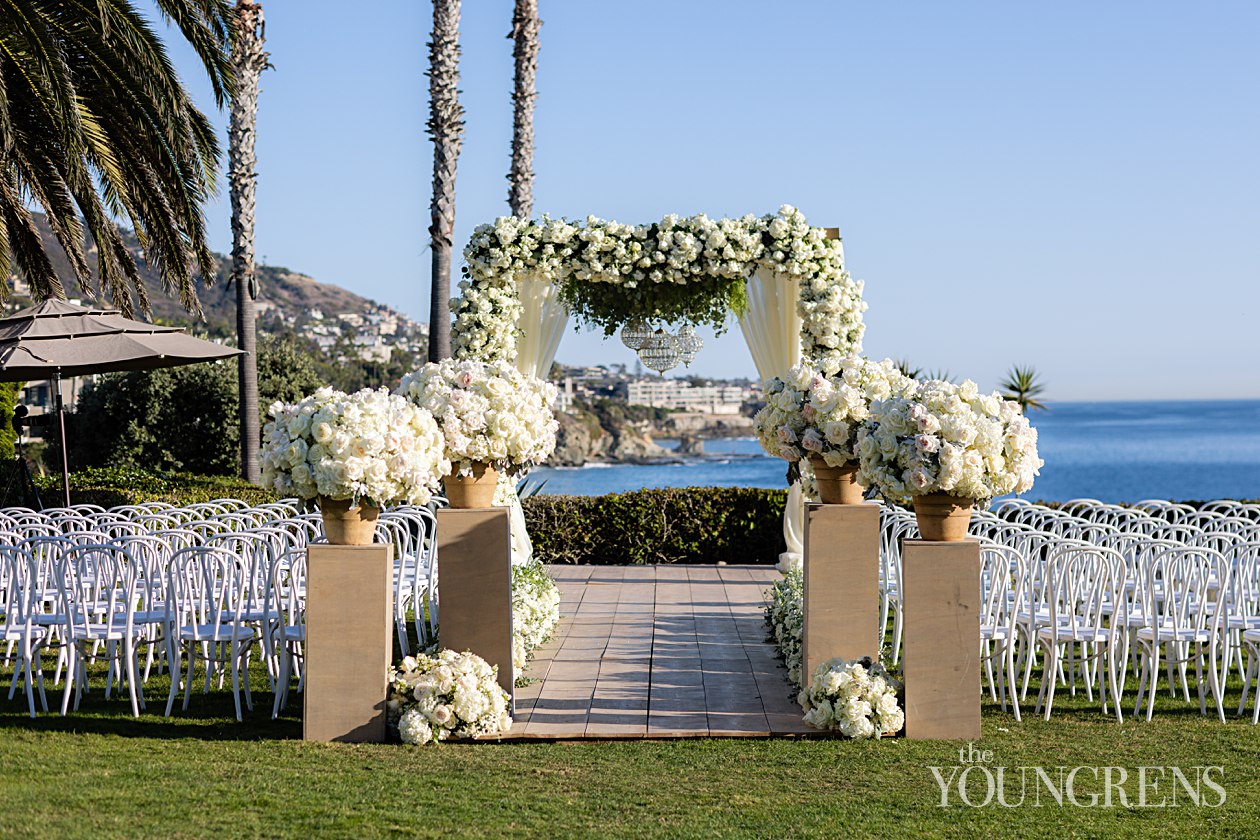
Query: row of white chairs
x=73, y=581
x=1086, y=597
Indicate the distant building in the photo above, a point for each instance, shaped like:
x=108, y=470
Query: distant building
x=678, y=395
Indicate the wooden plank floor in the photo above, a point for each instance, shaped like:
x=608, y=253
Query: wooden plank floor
x=658, y=652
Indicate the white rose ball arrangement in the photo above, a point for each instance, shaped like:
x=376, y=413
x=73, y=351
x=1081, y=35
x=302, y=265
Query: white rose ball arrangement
x=838, y=400
x=944, y=438
x=488, y=412
x=368, y=446
x=450, y=695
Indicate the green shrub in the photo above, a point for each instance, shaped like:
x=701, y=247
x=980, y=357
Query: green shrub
x=112, y=486
x=688, y=525
x=9, y=393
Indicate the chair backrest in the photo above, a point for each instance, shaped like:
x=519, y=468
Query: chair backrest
x=1002, y=585
x=97, y=585
x=206, y=589
x=17, y=595
x=152, y=555
x=1181, y=589
x=1085, y=587
x=257, y=551
x=288, y=582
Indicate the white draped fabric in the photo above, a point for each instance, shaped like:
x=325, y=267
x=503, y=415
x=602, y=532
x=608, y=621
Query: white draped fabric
x=772, y=328
x=543, y=319
x=542, y=322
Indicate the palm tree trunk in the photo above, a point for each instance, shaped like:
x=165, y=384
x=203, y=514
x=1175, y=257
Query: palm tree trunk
x=248, y=62
x=525, y=25
x=446, y=127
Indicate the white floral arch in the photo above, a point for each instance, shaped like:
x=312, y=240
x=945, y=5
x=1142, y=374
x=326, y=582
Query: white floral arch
x=784, y=279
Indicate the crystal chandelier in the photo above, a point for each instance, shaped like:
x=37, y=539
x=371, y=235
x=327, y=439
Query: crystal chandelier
x=635, y=333
x=659, y=351
x=688, y=343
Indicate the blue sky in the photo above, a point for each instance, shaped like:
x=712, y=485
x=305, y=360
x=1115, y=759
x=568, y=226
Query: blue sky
x=1073, y=186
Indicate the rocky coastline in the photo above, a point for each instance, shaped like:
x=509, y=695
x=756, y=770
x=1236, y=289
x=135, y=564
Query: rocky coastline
x=585, y=437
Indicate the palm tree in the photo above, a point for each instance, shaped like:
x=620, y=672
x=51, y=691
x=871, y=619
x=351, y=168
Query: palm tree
x=96, y=127
x=248, y=62
x=908, y=369
x=525, y=25
x=446, y=127
x=1022, y=386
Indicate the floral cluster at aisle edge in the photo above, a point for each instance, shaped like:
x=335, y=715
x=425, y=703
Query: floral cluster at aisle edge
x=857, y=697
x=450, y=695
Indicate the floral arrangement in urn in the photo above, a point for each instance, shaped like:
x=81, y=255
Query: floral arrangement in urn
x=369, y=447
x=838, y=400
x=450, y=695
x=944, y=446
x=942, y=437
x=857, y=697
x=488, y=412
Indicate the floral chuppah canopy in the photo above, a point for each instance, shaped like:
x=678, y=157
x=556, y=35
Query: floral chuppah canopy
x=784, y=280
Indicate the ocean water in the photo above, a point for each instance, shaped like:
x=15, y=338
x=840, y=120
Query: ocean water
x=1111, y=451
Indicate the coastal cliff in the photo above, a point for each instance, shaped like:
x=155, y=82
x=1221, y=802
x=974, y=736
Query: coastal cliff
x=610, y=431
x=586, y=436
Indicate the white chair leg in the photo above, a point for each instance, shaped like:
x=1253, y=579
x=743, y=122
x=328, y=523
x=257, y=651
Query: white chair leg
x=1150, y=700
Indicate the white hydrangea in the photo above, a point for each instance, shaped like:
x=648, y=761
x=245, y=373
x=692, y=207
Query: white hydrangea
x=838, y=400
x=488, y=412
x=945, y=438
x=857, y=697
x=369, y=445
x=450, y=695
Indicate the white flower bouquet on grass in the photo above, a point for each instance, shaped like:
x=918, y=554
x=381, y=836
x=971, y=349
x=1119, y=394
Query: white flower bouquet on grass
x=450, y=695
x=946, y=438
x=838, y=400
x=369, y=446
x=488, y=412
x=857, y=697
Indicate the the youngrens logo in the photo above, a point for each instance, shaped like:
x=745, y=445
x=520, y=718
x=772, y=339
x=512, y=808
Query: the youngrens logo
x=977, y=782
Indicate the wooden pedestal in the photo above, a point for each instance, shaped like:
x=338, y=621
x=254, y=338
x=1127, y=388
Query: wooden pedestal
x=841, y=600
x=941, y=651
x=475, y=585
x=349, y=641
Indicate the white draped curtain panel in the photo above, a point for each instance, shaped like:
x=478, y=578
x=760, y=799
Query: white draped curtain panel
x=772, y=328
x=542, y=323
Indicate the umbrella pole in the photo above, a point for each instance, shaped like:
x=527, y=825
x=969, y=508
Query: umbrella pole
x=61, y=422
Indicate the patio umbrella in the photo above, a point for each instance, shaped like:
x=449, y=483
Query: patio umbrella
x=56, y=339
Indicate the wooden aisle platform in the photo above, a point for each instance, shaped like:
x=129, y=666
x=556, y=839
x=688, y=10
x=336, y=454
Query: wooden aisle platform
x=659, y=652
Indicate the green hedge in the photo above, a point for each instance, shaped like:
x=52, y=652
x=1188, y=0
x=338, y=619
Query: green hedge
x=111, y=486
x=688, y=525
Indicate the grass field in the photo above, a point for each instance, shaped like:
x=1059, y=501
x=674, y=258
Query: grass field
x=101, y=773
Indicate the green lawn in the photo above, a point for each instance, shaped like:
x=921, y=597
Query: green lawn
x=101, y=773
